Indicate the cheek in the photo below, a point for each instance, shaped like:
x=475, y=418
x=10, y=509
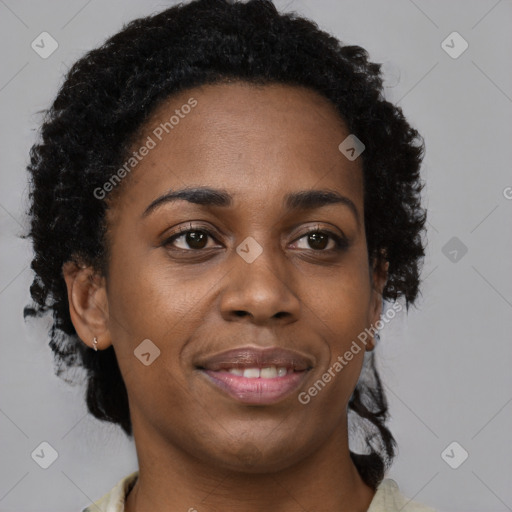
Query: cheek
x=343, y=301
x=342, y=309
x=333, y=383
x=150, y=298
x=147, y=302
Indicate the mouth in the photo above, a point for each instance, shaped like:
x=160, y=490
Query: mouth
x=256, y=376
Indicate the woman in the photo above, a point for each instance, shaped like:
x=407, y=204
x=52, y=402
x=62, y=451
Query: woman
x=221, y=201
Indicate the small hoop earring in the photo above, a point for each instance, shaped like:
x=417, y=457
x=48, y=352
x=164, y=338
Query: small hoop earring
x=95, y=344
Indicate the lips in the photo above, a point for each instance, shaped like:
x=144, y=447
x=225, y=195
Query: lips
x=256, y=376
x=257, y=358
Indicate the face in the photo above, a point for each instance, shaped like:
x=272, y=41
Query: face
x=249, y=290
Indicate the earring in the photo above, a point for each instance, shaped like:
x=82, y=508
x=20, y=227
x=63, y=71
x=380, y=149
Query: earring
x=95, y=344
x=375, y=340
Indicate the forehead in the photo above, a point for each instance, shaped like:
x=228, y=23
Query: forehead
x=258, y=142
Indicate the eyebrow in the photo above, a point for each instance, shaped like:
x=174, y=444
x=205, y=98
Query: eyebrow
x=207, y=196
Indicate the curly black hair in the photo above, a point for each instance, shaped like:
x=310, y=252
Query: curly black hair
x=110, y=93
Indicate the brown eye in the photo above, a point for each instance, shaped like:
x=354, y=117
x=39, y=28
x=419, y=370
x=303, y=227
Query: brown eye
x=322, y=241
x=318, y=240
x=192, y=239
x=196, y=239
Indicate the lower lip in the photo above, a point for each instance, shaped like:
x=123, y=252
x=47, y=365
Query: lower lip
x=256, y=391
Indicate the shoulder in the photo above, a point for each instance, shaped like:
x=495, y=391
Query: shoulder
x=114, y=500
x=388, y=498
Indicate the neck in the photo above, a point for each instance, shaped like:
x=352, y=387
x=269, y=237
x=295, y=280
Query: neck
x=172, y=480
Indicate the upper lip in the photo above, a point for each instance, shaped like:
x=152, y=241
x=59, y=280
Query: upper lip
x=252, y=357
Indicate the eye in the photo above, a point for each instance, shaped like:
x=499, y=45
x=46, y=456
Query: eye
x=321, y=240
x=190, y=239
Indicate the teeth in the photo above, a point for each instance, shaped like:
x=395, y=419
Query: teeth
x=269, y=372
x=281, y=372
x=251, y=373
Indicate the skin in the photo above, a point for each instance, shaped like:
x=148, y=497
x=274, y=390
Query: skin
x=198, y=448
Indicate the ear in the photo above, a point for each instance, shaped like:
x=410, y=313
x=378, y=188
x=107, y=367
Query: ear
x=88, y=305
x=379, y=276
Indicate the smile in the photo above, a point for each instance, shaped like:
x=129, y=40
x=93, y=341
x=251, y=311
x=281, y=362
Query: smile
x=256, y=376
x=269, y=372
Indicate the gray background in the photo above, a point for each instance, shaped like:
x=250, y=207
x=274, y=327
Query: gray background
x=446, y=364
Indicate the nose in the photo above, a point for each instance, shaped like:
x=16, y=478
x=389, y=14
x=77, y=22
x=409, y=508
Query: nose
x=260, y=292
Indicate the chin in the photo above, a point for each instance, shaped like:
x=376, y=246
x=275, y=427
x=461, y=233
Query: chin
x=246, y=456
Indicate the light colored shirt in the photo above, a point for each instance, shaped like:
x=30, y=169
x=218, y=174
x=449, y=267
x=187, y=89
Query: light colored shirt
x=387, y=498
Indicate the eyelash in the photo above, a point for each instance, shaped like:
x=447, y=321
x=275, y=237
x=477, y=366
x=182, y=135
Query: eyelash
x=340, y=242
